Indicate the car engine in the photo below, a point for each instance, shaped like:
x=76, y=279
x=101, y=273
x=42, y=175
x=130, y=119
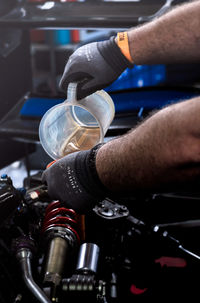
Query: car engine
x=129, y=250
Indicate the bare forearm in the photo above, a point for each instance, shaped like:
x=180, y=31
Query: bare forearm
x=174, y=37
x=161, y=152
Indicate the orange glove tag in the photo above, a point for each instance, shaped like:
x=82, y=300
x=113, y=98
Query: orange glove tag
x=52, y=162
x=122, y=42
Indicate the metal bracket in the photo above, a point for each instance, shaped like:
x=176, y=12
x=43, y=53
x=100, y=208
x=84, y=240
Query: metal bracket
x=159, y=13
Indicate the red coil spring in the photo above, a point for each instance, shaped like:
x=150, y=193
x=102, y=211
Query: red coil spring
x=58, y=216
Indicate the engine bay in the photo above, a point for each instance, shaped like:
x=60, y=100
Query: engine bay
x=132, y=249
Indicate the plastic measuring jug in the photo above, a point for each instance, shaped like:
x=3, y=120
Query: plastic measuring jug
x=76, y=125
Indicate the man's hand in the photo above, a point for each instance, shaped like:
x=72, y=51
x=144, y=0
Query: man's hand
x=94, y=66
x=74, y=181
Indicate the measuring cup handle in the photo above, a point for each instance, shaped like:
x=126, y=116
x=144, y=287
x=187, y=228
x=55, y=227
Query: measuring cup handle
x=71, y=92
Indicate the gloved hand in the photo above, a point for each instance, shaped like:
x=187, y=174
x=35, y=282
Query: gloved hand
x=74, y=181
x=94, y=66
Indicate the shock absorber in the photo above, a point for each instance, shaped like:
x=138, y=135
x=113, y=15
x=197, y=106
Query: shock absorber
x=60, y=233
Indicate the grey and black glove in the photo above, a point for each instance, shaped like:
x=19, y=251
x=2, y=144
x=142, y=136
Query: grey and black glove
x=74, y=181
x=94, y=66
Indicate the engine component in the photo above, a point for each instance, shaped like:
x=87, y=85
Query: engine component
x=24, y=248
x=60, y=233
x=88, y=258
x=110, y=210
x=37, y=194
x=10, y=197
x=84, y=283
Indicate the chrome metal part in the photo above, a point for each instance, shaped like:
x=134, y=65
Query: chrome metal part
x=24, y=257
x=110, y=210
x=88, y=257
x=57, y=253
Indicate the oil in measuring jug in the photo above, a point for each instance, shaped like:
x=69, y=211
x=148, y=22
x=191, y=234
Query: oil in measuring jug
x=82, y=138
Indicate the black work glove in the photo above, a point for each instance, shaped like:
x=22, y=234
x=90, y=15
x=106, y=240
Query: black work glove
x=94, y=66
x=74, y=181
